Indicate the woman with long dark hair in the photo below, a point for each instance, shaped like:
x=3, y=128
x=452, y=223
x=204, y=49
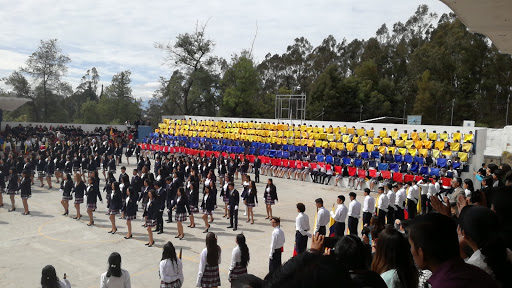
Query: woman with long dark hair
x=49, y=278
x=479, y=229
x=151, y=215
x=79, y=194
x=108, y=188
x=239, y=258
x=193, y=198
x=12, y=187
x=67, y=188
x=469, y=189
x=208, y=205
x=93, y=193
x=270, y=197
x=224, y=193
x=25, y=190
x=115, y=206
x=393, y=260
x=208, y=275
x=131, y=209
x=180, y=204
x=115, y=276
x=251, y=201
x=171, y=268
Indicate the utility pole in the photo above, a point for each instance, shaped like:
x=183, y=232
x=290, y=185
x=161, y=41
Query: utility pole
x=508, y=104
x=453, y=105
x=361, y=113
x=403, y=119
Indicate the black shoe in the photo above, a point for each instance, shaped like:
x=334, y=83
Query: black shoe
x=234, y=229
x=90, y=224
x=128, y=237
x=168, y=221
x=230, y=226
x=160, y=232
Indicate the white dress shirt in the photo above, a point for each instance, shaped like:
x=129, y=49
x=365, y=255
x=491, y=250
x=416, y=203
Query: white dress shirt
x=302, y=224
x=391, y=198
x=383, y=203
x=277, y=240
x=323, y=218
x=414, y=193
x=341, y=213
x=171, y=271
x=202, y=265
x=236, y=257
x=116, y=282
x=424, y=187
x=369, y=204
x=400, y=198
x=354, y=209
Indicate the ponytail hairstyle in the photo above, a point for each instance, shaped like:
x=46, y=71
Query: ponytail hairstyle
x=49, y=277
x=114, y=265
x=240, y=239
x=213, y=250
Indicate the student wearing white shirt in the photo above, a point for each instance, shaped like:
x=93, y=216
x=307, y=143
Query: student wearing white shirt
x=115, y=277
x=49, y=278
x=340, y=216
x=276, y=245
x=171, y=268
x=301, y=229
x=354, y=213
x=208, y=275
x=391, y=203
x=382, y=205
x=368, y=207
x=400, y=198
x=323, y=218
x=239, y=258
x=412, y=199
x=423, y=184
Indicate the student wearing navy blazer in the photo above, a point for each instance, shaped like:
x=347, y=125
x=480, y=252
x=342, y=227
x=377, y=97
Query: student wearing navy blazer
x=116, y=203
x=153, y=208
x=180, y=205
x=79, y=191
x=131, y=209
x=25, y=190
x=93, y=194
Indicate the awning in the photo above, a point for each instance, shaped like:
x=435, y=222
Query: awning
x=12, y=103
x=492, y=18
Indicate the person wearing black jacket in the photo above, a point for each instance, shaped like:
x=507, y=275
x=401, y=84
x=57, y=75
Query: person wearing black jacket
x=193, y=199
x=108, y=189
x=131, y=209
x=257, y=166
x=67, y=188
x=270, y=197
x=224, y=193
x=25, y=190
x=111, y=164
x=234, y=200
x=172, y=185
x=12, y=187
x=152, y=215
x=208, y=205
x=79, y=194
x=41, y=167
x=251, y=200
x=116, y=204
x=49, y=170
x=136, y=182
x=2, y=183
x=180, y=204
x=144, y=198
x=162, y=196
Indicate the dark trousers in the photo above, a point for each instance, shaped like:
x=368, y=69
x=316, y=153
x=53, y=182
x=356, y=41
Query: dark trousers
x=352, y=225
x=367, y=216
x=328, y=179
x=411, y=208
x=169, y=215
x=301, y=242
x=391, y=215
x=233, y=218
x=321, y=230
x=275, y=262
x=257, y=175
x=340, y=229
x=424, y=205
x=382, y=217
x=399, y=213
x=160, y=221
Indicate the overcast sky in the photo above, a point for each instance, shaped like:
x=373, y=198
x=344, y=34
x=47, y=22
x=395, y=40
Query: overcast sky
x=118, y=35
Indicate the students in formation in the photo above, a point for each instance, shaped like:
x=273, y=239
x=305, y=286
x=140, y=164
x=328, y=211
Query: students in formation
x=208, y=275
x=239, y=258
x=171, y=268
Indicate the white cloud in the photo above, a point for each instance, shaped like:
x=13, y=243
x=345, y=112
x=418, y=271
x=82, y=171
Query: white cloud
x=114, y=36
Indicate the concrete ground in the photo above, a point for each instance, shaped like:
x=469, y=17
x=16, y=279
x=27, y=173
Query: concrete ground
x=28, y=243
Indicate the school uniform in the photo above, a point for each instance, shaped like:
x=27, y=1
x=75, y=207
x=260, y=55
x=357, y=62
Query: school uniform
x=49, y=169
x=152, y=213
x=93, y=193
x=131, y=207
x=116, y=203
x=382, y=206
x=301, y=232
x=340, y=217
x=181, y=204
x=234, y=201
x=112, y=165
x=208, y=204
x=224, y=193
x=143, y=197
x=67, y=189
x=171, y=273
x=257, y=166
x=400, y=199
x=354, y=213
x=251, y=200
x=12, y=185
x=368, y=209
x=322, y=220
x=391, y=207
x=193, y=200
x=412, y=201
x=79, y=191
x=208, y=276
x=276, y=249
x=2, y=182
x=162, y=196
x=25, y=188
x=41, y=165
x=270, y=194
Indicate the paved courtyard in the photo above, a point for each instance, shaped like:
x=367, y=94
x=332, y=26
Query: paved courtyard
x=28, y=243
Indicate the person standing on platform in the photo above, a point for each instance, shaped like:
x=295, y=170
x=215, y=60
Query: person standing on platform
x=276, y=245
x=340, y=216
x=301, y=229
x=354, y=213
x=368, y=207
x=382, y=206
x=234, y=201
x=323, y=217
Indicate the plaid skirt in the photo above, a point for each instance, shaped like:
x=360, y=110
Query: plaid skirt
x=225, y=199
x=237, y=271
x=25, y=196
x=150, y=223
x=269, y=200
x=40, y=174
x=206, y=212
x=250, y=205
x=67, y=197
x=76, y=169
x=211, y=277
x=131, y=217
x=79, y=200
x=48, y=174
x=11, y=192
x=192, y=209
x=113, y=212
x=91, y=206
x=174, y=284
x=180, y=217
